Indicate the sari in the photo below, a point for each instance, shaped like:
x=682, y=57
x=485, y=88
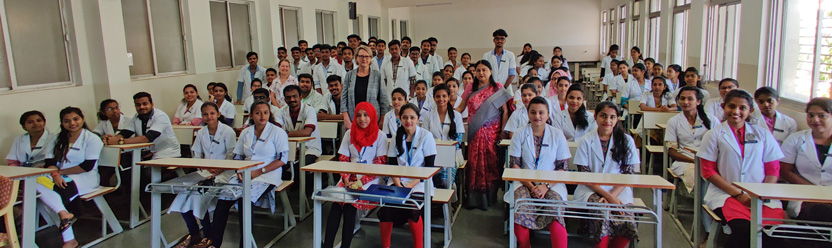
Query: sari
x=484, y=125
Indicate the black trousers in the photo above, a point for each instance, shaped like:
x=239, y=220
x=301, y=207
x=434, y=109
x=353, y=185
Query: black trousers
x=348, y=211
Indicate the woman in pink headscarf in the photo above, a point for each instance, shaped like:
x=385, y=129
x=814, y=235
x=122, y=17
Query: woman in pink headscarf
x=559, y=83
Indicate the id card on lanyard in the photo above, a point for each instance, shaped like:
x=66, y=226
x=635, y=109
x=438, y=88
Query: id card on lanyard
x=361, y=159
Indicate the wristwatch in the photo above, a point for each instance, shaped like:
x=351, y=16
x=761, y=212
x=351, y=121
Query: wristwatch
x=263, y=169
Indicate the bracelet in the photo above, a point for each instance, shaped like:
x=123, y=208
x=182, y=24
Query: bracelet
x=738, y=194
x=55, y=174
x=121, y=141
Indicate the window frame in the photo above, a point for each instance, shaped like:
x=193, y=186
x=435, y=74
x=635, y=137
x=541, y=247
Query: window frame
x=321, y=34
x=153, y=52
x=709, y=68
x=64, y=11
x=603, y=32
x=622, y=25
x=370, y=27
x=685, y=11
x=251, y=30
x=635, y=22
x=283, y=24
x=775, y=64
x=393, y=24
x=403, y=28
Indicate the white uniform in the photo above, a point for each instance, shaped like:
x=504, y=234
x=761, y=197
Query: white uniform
x=713, y=107
x=306, y=116
x=228, y=110
x=605, y=63
x=441, y=129
x=438, y=61
x=650, y=101
x=106, y=128
x=301, y=68
x=425, y=107
x=458, y=74
x=272, y=145
x=553, y=148
x=680, y=131
x=23, y=152
x=245, y=77
x=518, y=119
x=799, y=149
x=564, y=123
x=87, y=147
x=219, y=146
x=634, y=91
x=425, y=69
x=720, y=145
x=367, y=154
x=185, y=114
x=618, y=82
x=404, y=71
x=783, y=125
x=378, y=63
x=316, y=100
x=329, y=106
x=321, y=72
x=423, y=146
x=457, y=103
x=502, y=66
x=164, y=146
x=391, y=124
x=589, y=154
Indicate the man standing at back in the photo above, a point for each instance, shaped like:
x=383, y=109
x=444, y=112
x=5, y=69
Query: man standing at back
x=502, y=61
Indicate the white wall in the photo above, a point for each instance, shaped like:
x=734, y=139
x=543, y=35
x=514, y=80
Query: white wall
x=467, y=25
x=100, y=66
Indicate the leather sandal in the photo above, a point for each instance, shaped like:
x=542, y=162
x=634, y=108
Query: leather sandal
x=67, y=223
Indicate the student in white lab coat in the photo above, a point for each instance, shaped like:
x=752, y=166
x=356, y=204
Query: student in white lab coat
x=687, y=129
x=411, y=146
x=262, y=141
x=298, y=65
x=326, y=68
x=438, y=61
x=659, y=98
x=557, y=92
x=425, y=63
x=635, y=56
x=405, y=72
x=622, y=80
x=248, y=73
x=149, y=125
x=673, y=73
x=648, y=64
x=538, y=146
x=223, y=100
x=807, y=160
x=74, y=153
x=213, y=141
x=301, y=120
x=210, y=89
x=454, y=86
x=420, y=98
x=608, y=149
x=738, y=151
x=635, y=86
x=255, y=84
x=502, y=60
x=520, y=117
x=445, y=123
x=30, y=149
x=188, y=113
x=331, y=109
x=780, y=125
x=714, y=106
x=575, y=121
x=609, y=79
x=612, y=54
x=462, y=67
x=363, y=143
x=392, y=118
x=110, y=118
x=690, y=76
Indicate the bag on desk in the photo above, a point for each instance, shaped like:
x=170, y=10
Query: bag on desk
x=384, y=193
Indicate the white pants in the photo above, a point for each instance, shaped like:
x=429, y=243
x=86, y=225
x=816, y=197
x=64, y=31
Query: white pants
x=53, y=200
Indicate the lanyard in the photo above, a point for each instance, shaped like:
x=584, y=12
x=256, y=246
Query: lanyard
x=361, y=155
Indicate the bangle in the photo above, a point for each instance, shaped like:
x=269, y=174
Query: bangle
x=121, y=141
x=738, y=194
x=55, y=174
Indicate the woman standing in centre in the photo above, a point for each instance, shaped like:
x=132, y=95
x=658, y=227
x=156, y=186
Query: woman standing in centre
x=363, y=85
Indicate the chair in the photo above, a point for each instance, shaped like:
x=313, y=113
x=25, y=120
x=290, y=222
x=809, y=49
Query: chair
x=8, y=192
x=108, y=219
x=289, y=221
x=648, y=122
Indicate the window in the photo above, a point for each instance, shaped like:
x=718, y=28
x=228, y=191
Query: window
x=655, y=6
x=604, y=23
x=611, y=28
x=679, y=33
x=393, y=27
x=325, y=21
x=634, y=28
x=622, y=25
x=653, y=30
x=232, y=33
x=154, y=37
x=290, y=26
x=806, y=52
x=403, y=29
x=35, y=49
x=356, y=25
x=721, y=50
x=373, y=26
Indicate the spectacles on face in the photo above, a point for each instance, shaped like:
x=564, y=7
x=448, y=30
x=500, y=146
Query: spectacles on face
x=363, y=57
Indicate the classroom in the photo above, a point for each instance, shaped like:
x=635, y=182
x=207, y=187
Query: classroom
x=415, y=123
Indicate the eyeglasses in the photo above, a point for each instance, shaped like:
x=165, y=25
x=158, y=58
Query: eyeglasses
x=363, y=57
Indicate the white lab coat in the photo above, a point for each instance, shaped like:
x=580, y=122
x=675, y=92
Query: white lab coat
x=228, y=110
x=245, y=77
x=553, y=148
x=650, y=101
x=564, y=123
x=589, y=154
x=634, y=91
x=425, y=69
x=315, y=100
x=329, y=106
x=679, y=130
x=321, y=73
x=518, y=119
x=87, y=147
x=404, y=70
x=272, y=145
x=185, y=114
x=391, y=124
x=22, y=148
x=438, y=61
x=441, y=130
x=458, y=102
x=720, y=145
x=618, y=82
x=378, y=63
x=367, y=154
x=301, y=68
x=104, y=127
x=501, y=67
x=423, y=146
x=306, y=116
x=426, y=105
x=713, y=107
x=783, y=124
x=605, y=63
x=164, y=146
x=799, y=149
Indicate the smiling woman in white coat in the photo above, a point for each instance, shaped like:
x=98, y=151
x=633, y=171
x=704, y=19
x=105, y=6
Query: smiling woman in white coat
x=29, y=149
x=575, y=122
x=608, y=149
x=780, y=125
x=738, y=151
x=807, y=160
x=687, y=129
x=445, y=124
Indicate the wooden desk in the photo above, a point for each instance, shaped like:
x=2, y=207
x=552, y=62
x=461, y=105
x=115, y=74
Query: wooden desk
x=773, y=191
x=295, y=145
x=111, y=156
x=600, y=179
x=29, y=176
x=422, y=173
x=156, y=197
x=185, y=134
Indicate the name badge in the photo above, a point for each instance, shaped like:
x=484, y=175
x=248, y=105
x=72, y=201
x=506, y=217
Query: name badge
x=751, y=141
x=361, y=161
x=214, y=141
x=778, y=130
x=502, y=60
x=75, y=148
x=699, y=126
x=544, y=145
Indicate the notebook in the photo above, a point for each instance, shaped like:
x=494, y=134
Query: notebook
x=385, y=192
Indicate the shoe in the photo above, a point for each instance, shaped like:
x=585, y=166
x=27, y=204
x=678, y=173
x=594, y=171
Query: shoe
x=186, y=242
x=204, y=243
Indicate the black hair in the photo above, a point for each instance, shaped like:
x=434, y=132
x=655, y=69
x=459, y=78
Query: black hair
x=452, y=132
x=531, y=80
x=323, y=47
x=451, y=49
x=101, y=109
x=295, y=49
x=221, y=118
x=281, y=49
x=407, y=38
x=620, y=147
x=347, y=48
x=695, y=71
x=211, y=85
x=249, y=54
x=486, y=64
x=734, y=81
x=380, y=41
x=638, y=50
x=289, y=88
x=27, y=114
x=302, y=42
x=257, y=80
x=641, y=67
x=394, y=42
x=308, y=49
x=372, y=38
x=139, y=95
x=446, y=67
x=400, y=132
x=433, y=39
x=525, y=78
x=664, y=81
x=678, y=69
x=463, y=54
x=657, y=64
x=272, y=69
x=341, y=43
x=499, y=32
x=415, y=48
x=363, y=43
x=527, y=45
x=529, y=86
x=527, y=57
x=418, y=82
x=400, y=91
x=271, y=115
x=452, y=79
x=767, y=91
x=649, y=60
x=306, y=76
x=580, y=121
x=225, y=88
x=333, y=77
x=424, y=41
x=613, y=47
x=195, y=90
x=700, y=109
x=62, y=141
x=740, y=93
x=534, y=58
x=262, y=91
x=438, y=74
x=820, y=102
